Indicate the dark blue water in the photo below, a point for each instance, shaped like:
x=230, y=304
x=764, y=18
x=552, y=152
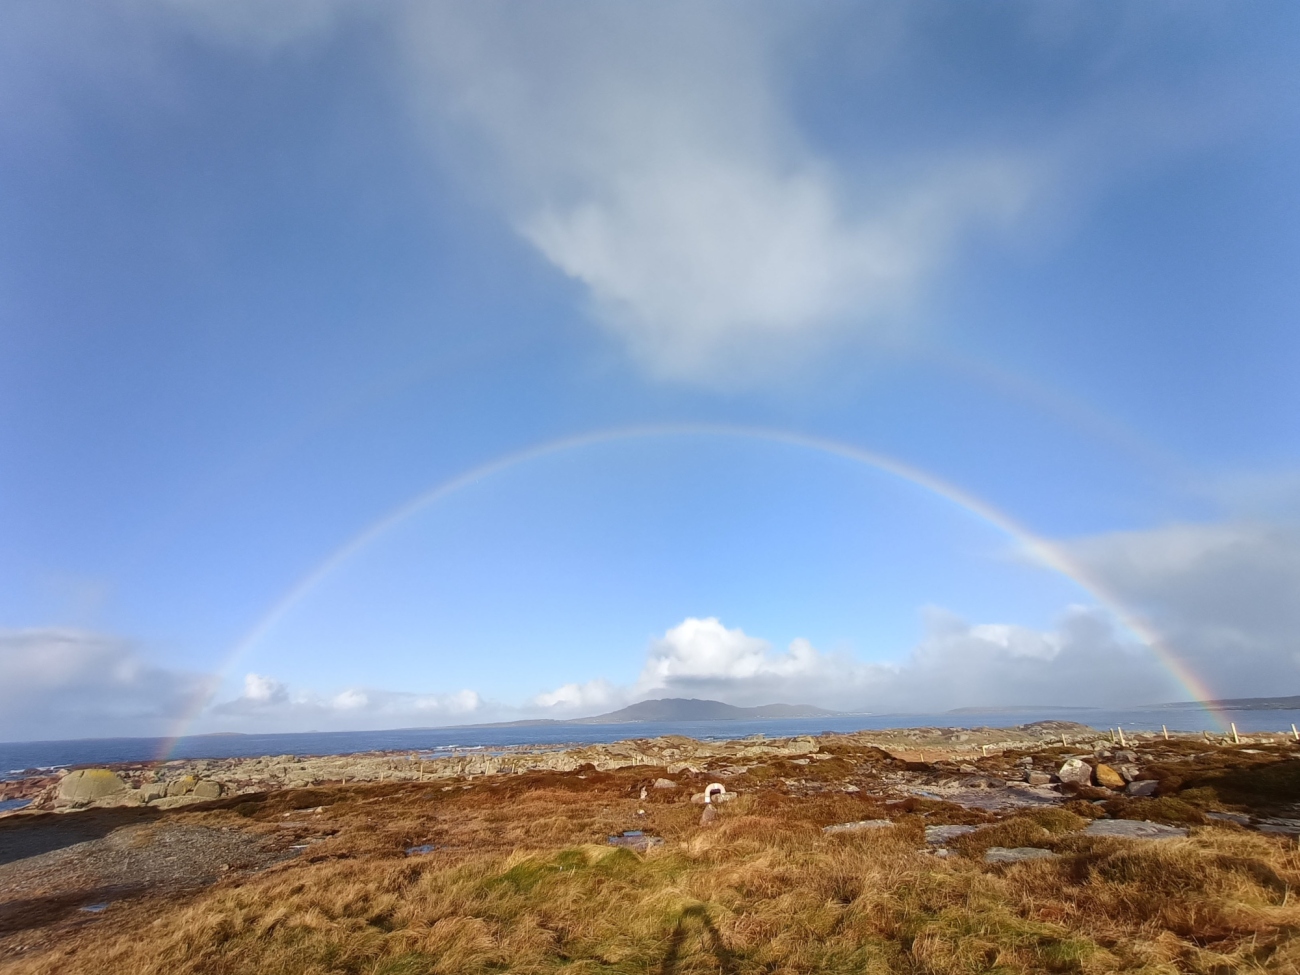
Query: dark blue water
x=17, y=756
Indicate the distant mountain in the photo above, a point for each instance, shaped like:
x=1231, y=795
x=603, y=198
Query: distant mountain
x=1244, y=704
x=1015, y=709
x=690, y=709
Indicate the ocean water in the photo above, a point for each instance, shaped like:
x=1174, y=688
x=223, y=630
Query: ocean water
x=15, y=757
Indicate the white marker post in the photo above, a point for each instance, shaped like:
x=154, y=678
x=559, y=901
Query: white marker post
x=1235, y=739
x=1165, y=729
x=1122, y=742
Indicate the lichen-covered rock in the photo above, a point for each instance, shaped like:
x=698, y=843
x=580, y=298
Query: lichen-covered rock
x=90, y=785
x=1142, y=788
x=1108, y=777
x=182, y=786
x=207, y=789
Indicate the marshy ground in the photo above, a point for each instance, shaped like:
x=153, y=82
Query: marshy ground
x=515, y=873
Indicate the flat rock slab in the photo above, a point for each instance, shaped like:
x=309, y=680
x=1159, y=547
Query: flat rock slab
x=1269, y=824
x=860, y=824
x=938, y=835
x=1132, y=829
x=1017, y=854
x=635, y=840
x=1016, y=795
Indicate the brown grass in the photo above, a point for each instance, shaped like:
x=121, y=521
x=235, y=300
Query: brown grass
x=522, y=882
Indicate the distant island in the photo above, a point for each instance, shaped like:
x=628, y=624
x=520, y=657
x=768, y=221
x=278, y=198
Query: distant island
x=1243, y=704
x=692, y=709
x=678, y=709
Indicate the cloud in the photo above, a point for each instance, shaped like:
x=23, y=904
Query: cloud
x=649, y=154
x=1081, y=663
x=271, y=705
x=61, y=683
x=704, y=649
x=581, y=698
x=1226, y=597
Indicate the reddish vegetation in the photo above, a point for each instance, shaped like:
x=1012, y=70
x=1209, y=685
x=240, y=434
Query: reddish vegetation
x=519, y=876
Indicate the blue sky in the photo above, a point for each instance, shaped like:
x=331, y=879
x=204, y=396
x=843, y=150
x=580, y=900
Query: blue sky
x=268, y=273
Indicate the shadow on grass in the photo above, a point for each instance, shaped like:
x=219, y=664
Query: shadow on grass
x=724, y=957
x=38, y=912
x=29, y=836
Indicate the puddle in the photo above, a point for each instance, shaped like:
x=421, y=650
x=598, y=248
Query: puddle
x=93, y=908
x=421, y=850
x=9, y=805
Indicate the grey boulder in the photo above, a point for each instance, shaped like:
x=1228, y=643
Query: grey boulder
x=1075, y=772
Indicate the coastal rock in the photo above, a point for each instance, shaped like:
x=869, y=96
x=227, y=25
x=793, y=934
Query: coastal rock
x=1075, y=772
x=1108, y=777
x=89, y=785
x=1126, y=756
x=1037, y=778
x=182, y=786
x=207, y=789
x=1129, y=772
x=1142, y=788
x=665, y=784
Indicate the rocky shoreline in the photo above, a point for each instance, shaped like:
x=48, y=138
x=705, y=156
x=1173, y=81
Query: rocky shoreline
x=934, y=759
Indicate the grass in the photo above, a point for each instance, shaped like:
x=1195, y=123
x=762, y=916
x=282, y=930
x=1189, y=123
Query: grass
x=522, y=882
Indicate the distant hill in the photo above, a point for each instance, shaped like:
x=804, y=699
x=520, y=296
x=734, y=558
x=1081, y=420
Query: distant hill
x=1244, y=704
x=690, y=709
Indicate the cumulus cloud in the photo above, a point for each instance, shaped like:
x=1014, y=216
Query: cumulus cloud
x=62, y=683
x=270, y=704
x=1082, y=662
x=648, y=153
x=704, y=649
x=581, y=698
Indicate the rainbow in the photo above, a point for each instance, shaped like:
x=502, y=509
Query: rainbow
x=1040, y=549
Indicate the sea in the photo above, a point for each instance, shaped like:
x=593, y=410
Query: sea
x=19, y=758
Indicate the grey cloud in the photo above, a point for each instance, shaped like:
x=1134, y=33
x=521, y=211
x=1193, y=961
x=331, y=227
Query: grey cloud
x=647, y=153
x=1226, y=597
x=60, y=683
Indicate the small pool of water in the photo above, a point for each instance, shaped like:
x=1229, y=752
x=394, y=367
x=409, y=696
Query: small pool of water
x=9, y=805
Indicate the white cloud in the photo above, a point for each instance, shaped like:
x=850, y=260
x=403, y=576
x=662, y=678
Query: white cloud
x=61, y=683
x=704, y=649
x=647, y=153
x=264, y=689
x=581, y=698
x=268, y=704
x=1080, y=663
